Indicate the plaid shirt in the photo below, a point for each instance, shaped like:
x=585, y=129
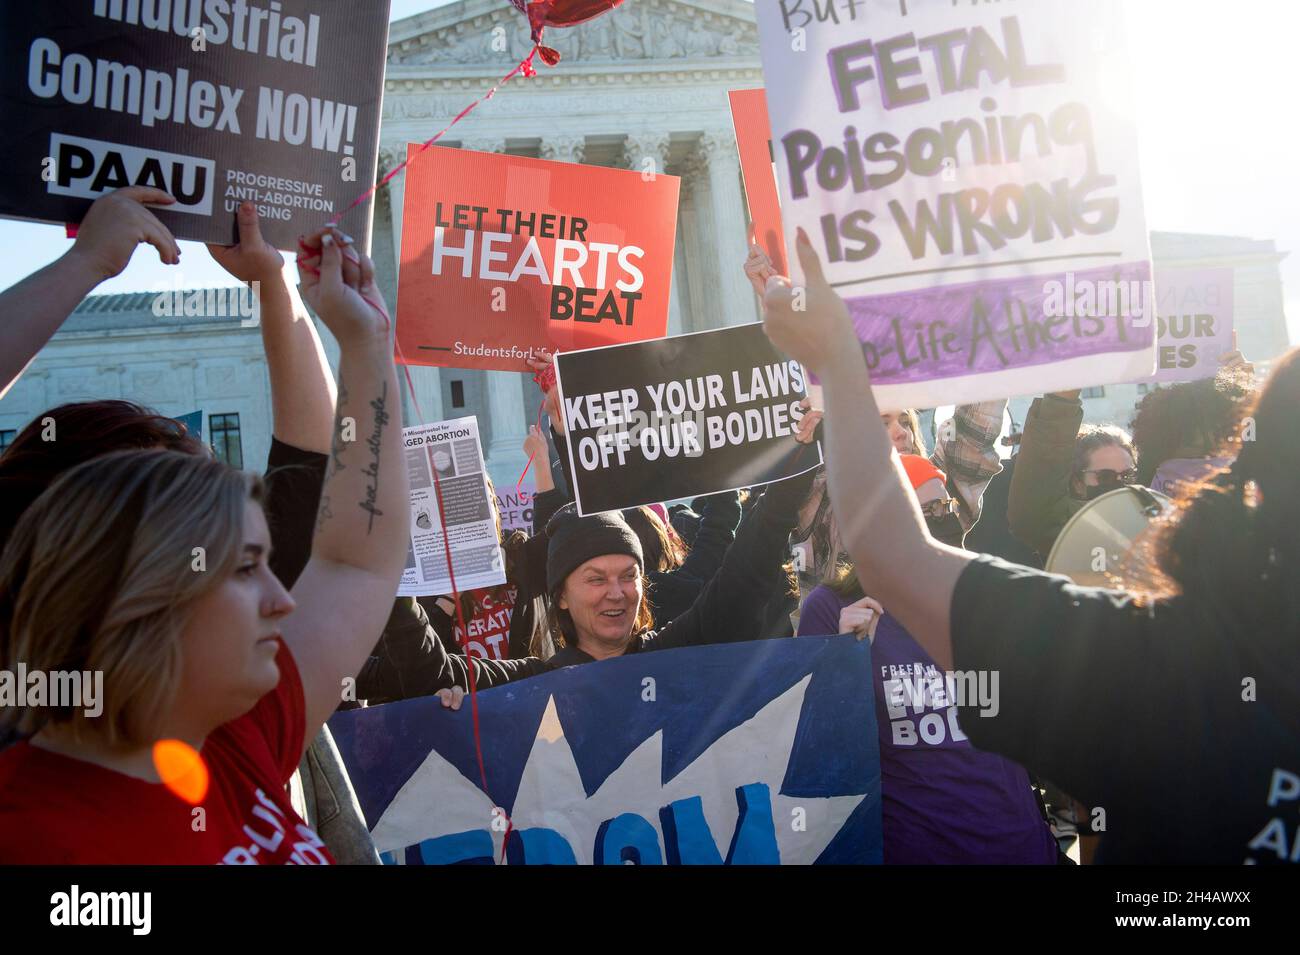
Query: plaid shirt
x=967, y=453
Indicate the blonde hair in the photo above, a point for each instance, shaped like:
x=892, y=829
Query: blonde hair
x=910, y=419
x=101, y=574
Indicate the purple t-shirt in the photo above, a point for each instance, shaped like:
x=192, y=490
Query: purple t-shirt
x=943, y=800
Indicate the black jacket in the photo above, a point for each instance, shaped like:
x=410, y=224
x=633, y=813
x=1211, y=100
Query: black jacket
x=413, y=662
x=673, y=592
x=410, y=660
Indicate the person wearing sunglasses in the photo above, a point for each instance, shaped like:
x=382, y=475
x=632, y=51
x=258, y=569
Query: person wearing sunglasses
x=1107, y=479
x=1062, y=465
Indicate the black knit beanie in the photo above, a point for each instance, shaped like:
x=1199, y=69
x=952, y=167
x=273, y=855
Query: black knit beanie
x=575, y=540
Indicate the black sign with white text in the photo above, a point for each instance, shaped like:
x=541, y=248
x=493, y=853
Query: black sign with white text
x=215, y=101
x=680, y=417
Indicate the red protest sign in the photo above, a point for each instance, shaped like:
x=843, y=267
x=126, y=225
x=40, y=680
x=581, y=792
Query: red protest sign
x=754, y=141
x=505, y=255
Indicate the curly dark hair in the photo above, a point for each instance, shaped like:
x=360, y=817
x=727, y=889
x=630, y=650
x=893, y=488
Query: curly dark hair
x=1232, y=541
x=1192, y=419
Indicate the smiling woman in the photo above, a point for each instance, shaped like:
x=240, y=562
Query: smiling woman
x=596, y=582
x=595, y=578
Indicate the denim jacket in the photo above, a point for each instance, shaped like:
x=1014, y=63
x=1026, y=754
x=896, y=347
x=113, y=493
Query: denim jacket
x=322, y=794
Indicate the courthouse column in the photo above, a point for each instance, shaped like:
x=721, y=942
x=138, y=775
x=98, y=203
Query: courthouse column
x=505, y=390
x=737, y=301
x=505, y=454
x=426, y=382
x=701, y=278
x=563, y=148
x=389, y=159
x=655, y=147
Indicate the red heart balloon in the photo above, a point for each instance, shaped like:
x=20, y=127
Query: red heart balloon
x=560, y=13
x=567, y=13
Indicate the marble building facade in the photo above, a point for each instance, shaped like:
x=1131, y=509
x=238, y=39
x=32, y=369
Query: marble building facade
x=643, y=87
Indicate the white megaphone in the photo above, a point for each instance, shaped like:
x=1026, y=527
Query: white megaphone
x=1095, y=540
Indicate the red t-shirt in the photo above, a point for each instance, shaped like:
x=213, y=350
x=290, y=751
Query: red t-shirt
x=55, y=809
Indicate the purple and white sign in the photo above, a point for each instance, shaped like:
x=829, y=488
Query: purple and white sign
x=1193, y=321
x=957, y=167
x=516, y=505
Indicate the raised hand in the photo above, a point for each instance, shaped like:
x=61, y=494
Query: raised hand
x=543, y=369
x=253, y=259
x=758, y=269
x=812, y=417
x=810, y=323
x=1235, y=362
x=861, y=618
x=339, y=284
x=116, y=224
x=535, y=444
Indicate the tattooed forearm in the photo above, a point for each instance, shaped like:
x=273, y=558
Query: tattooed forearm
x=375, y=443
x=336, y=446
x=336, y=464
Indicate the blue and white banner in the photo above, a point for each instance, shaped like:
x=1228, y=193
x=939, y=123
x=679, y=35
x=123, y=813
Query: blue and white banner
x=752, y=753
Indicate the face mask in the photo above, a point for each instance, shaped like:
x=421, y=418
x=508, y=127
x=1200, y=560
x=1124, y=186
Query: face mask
x=947, y=530
x=1093, y=491
x=1108, y=480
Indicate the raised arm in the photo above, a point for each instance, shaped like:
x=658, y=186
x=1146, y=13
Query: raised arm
x=969, y=454
x=719, y=515
x=543, y=369
x=32, y=311
x=881, y=525
x=732, y=604
x=535, y=447
x=346, y=591
x=302, y=388
x=1039, y=501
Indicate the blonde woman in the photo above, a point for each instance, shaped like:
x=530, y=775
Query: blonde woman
x=150, y=568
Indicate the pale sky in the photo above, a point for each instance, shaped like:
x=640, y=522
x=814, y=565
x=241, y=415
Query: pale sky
x=1219, y=141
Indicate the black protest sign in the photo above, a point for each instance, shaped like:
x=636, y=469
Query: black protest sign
x=215, y=101
x=683, y=416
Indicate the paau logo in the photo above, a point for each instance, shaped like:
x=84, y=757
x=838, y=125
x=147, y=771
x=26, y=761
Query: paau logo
x=89, y=168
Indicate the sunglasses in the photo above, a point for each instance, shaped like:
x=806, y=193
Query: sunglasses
x=1111, y=476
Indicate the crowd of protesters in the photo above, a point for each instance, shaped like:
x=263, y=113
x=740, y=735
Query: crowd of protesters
x=1127, y=699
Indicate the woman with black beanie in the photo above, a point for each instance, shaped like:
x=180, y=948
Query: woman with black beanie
x=596, y=582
